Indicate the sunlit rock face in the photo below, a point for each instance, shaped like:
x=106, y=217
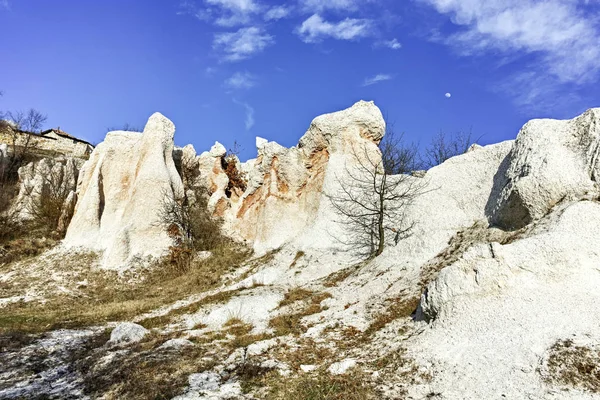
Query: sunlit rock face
x=551, y=161
x=280, y=194
x=121, y=190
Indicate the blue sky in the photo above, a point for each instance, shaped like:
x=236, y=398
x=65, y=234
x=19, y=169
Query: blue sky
x=235, y=69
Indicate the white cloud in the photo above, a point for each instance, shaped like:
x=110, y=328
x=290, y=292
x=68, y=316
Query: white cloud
x=317, y=6
x=236, y=5
x=277, y=13
x=393, y=44
x=376, y=79
x=561, y=36
x=448, y=95
x=225, y=13
x=241, y=80
x=315, y=29
x=244, y=43
x=210, y=71
x=249, y=121
x=234, y=12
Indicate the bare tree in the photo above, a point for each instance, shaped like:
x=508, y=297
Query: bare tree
x=374, y=195
x=126, y=127
x=398, y=157
x=20, y=128
x=444, y=146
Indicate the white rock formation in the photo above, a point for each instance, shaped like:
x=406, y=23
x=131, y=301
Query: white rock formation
x=551, y=161
x=501, y=307
x=121, y=191
x=496, y=311
x=50, y=178
x=283, y=193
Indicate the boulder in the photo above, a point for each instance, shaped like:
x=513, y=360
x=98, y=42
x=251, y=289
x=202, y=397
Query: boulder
x=551, y=161
x=127, y=333
x=121, y=191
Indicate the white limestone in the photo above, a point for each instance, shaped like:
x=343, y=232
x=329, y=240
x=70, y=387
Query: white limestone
x=551, y=161
x=284, y=193
x=127, y=332
x=121, y=190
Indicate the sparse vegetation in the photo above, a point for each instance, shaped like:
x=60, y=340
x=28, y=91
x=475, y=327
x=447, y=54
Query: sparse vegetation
x=373, y=196
x=397, y=308
x=110, y=297
x=319, y=385
x=574, y=366
x=444, y=146
x=290, y=324
x=340, y=276
x=297, y=257
x=295, y=294
x=140, y=373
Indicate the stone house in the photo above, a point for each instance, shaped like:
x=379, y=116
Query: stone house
x=51, y=140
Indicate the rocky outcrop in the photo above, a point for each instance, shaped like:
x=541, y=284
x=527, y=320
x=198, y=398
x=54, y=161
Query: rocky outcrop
x=496, y=308
x=278, y=196
x=121, y=191
x=49, y=180
x=551, y=161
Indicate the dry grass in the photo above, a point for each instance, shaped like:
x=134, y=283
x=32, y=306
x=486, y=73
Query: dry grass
x=398, y=308
x=194, y=307
x=295, y=295
x=298, y=256
x=318, y=385
x=337, y=277
x=237, y=327
x=309, y=352
x=574, y=366
x=142, y=372
x=18, y=247
x=247, y=339
x=109, y=297
x=287, y=324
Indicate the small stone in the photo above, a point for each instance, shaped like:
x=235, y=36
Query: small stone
x=308, y=368
x=128, y=332
x=341, y=367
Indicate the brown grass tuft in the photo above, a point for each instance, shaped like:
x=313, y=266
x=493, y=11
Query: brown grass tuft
x=574, y=366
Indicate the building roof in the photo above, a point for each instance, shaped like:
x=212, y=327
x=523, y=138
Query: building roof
x=63, y=134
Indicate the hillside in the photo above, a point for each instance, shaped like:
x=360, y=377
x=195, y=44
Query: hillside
x=172, y=274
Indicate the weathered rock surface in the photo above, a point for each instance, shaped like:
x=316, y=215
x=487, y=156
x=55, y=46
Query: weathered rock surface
x=50, y=179
x=551, y=161
x=128, y=332
x=500, y=307
x=121, y=191
x=282, y=191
